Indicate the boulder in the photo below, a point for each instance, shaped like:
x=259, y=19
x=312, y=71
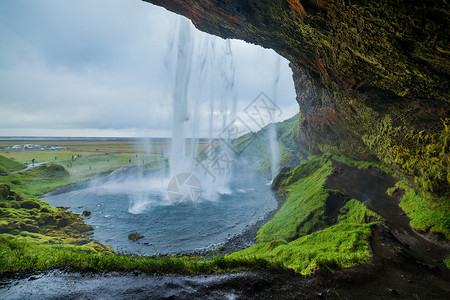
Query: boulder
x=86, y=213
x=135, y=236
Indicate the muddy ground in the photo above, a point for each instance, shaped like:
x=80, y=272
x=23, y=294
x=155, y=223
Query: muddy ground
x=405, y=265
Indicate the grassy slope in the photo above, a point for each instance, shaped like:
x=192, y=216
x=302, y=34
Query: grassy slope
x=8, y=165
x=255, y=146
x=340, y=246
x=305, y=202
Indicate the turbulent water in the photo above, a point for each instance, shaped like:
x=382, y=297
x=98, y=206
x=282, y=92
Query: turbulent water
x=126, y=203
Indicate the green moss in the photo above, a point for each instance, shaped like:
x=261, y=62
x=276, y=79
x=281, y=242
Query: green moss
x=422, y=157
x=340, y=246
x=390, y=191
x=425, y=215
x=22, y=254
x=305, y=203
x=447, y=262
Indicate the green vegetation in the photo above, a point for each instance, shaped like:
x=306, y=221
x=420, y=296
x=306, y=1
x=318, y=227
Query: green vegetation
x=38, y=237
x=304, y=210
x=422, y=157
x=425, y=215
x=298, y=237
x=340, y=246
x=255, y=146
x=27, y=217
x=42, y=179
x=19, y=255
x=362, y=164
x=8, y=165
x=316, y=228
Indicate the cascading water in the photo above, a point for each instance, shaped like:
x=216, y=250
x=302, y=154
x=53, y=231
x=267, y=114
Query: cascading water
x=212, y=166
x=139, y=200
x=177, y=160
x=273, y=140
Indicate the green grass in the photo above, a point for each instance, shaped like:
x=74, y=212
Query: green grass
x=293, y=237
x=43, y=179
x=340, y=246
x=305, y=202
x=20, y=255
x=254, y=147
x=425, y=215
x=26, y=156
x=8, y=165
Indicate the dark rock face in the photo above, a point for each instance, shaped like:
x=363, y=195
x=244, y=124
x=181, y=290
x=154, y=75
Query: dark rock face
x=371, y=76
x=400, y=45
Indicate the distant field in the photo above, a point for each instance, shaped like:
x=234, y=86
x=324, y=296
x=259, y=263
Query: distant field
x=95, y=149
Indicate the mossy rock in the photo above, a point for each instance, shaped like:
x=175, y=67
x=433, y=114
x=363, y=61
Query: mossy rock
x=29, y=227
x=86, y=213
x=4, y=191
x=11, y=228
x=99, y=247
x=29, y=204
x=75, y=241
x=81, y=227
x=135, y=236
x=45, y=210
x=46, y=219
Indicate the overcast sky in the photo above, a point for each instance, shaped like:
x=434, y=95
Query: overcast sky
x=108, y=68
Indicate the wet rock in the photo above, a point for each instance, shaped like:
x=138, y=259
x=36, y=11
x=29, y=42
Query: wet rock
x=393, y=292
x=135, y=236
x=86, y=213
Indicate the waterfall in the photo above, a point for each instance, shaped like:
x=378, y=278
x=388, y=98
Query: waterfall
x=177, y=159
x=204, y=73
x=273, y=139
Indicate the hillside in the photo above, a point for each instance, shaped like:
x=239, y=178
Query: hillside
x=8, y=165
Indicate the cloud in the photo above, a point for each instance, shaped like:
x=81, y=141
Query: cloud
x=107, y=67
